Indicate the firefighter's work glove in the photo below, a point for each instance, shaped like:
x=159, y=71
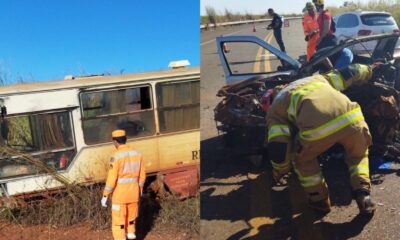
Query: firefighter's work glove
x=104, y=201
x=375, y=65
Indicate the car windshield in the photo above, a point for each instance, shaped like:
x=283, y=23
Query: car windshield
x=377, y=20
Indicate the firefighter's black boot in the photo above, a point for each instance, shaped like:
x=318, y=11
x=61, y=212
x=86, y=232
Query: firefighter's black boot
x=365, y=204
x=322, y=206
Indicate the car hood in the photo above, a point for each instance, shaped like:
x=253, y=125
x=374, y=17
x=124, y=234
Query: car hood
x=386, y=44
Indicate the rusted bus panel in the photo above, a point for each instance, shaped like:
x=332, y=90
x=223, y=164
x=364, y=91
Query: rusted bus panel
x=184, y=181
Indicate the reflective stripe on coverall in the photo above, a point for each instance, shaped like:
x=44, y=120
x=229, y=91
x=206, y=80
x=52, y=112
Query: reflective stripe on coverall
x=310, y=24
x=125, y=179
x=311, y=115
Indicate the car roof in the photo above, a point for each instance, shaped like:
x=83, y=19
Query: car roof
x=361, y=12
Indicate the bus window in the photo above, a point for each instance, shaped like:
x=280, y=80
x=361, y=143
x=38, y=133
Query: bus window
x=46, y=137
x=178, y=106
x=104, y=111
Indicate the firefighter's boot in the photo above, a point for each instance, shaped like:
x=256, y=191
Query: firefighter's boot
x=323, y=206
x=131, y=236
x=365, y=204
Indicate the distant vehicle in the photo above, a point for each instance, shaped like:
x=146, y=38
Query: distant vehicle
x=364, y=23
x=67, y=125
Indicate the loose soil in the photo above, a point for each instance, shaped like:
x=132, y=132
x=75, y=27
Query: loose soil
x=82, y=231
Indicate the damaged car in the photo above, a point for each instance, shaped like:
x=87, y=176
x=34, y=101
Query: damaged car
x=253, y=68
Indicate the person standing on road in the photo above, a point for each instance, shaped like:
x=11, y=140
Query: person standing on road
x=276, y=25
x=311, y=29
x=308, y=117
x=326, y=29
x=125, y=182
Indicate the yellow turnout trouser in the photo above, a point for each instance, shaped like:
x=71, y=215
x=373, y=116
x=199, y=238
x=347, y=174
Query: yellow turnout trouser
x=355, y=139
x=123, y=219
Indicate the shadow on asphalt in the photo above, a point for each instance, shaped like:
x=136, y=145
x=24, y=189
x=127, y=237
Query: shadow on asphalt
x=345, y=230
x=286, y=206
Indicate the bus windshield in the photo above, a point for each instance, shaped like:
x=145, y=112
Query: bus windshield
x=37, y=133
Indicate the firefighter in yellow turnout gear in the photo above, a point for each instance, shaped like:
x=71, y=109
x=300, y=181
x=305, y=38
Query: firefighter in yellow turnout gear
x=125, y=181
x=308, y=117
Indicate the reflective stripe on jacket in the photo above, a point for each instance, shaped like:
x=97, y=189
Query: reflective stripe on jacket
x=126, y=175
x=324, y=110
x=342, y=79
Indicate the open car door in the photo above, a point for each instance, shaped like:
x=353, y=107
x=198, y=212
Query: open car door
x=243, y=57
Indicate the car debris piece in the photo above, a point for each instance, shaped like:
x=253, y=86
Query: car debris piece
x=241, y=104
x=380, y=105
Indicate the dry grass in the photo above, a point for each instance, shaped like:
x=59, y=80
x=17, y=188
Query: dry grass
x=63, y=209
x=183, y=215
x=391, y=6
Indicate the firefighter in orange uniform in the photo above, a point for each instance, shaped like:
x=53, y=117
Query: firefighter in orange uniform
x=311, y=29
x=308, y=117
x=125, y=182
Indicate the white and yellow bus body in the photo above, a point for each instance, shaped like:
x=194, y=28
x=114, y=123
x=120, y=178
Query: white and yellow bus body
x=67, y=124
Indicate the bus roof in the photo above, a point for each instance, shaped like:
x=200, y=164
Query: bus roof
x=92, y=81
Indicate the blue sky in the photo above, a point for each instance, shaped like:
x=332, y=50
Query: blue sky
x=48, y=39
x=261, y=6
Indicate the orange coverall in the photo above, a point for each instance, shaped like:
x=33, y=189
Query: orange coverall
x=125, y=181
x=308, y=117
x=310, y=24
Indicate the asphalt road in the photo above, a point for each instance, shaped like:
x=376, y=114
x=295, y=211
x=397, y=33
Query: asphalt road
x=237, y=197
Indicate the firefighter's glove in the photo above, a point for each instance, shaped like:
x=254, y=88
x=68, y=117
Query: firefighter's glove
x=104, y=201
x=376, y=65
x=377, y=69
x=307, y=38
